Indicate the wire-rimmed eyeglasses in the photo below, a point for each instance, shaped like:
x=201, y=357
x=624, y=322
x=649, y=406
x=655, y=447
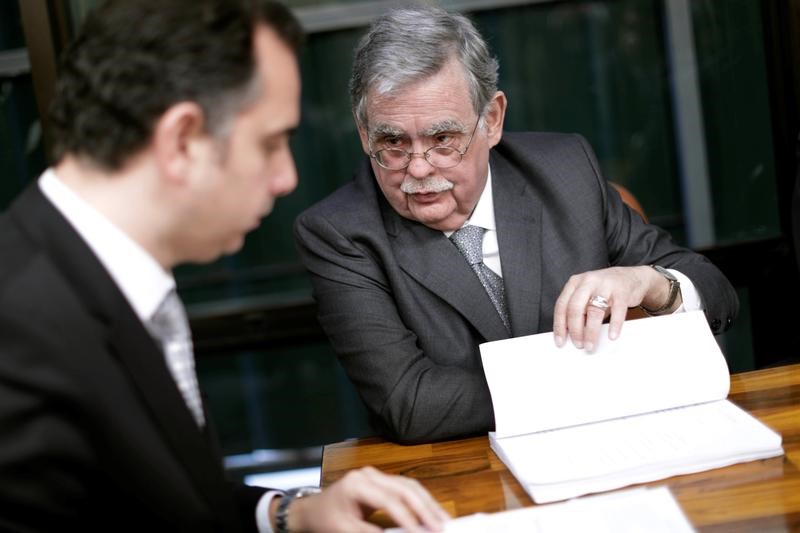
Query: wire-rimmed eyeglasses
x=437, y=156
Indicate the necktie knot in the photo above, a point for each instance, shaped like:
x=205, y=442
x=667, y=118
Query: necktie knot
x=169, y=322
x=469, y=241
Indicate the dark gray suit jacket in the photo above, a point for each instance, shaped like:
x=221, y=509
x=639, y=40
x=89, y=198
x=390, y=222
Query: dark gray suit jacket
x=94, y=435
x=405, y=313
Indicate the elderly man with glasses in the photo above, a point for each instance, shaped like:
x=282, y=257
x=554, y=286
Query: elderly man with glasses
x=454, y=233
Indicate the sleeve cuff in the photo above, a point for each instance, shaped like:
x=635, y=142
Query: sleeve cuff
x=262, y=511
x=689, y=295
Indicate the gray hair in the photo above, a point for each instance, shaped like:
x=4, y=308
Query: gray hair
x=412, y=44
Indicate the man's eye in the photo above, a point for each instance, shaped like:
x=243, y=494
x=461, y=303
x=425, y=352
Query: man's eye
x=444, y=138
x=271, y=147
x=392, y=141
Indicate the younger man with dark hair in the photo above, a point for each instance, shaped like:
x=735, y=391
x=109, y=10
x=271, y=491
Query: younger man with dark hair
x=171, y=123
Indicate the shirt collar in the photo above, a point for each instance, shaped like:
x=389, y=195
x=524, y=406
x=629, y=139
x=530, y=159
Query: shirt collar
x=483, y=214
x=143, y=282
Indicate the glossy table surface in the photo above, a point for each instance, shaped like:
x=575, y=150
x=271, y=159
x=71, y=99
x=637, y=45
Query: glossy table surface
x=466, y=477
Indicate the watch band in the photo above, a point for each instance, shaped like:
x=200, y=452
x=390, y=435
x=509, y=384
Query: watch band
x=282, y=513
x=674, y=290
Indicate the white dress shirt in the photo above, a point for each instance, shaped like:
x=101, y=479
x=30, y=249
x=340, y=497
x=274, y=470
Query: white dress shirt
x=483, y=216
x=140, y=278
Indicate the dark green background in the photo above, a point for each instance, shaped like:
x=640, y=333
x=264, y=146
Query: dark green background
x=596, y=68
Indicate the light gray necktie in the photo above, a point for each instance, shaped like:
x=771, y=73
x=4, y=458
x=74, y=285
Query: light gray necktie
x=469, y=241
x=170, y=327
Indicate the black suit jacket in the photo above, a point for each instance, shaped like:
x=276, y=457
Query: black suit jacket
x=405, y=313
x=94, y=434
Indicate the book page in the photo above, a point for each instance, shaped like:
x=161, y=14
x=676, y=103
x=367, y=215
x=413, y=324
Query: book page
x=656, y=363
x=564, y=463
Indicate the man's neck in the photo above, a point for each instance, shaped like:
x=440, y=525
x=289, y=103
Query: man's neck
x=124, y=197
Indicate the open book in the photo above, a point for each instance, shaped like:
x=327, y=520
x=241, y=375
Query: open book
x=644, y=407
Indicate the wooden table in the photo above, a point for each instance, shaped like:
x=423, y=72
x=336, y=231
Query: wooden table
x=466, y=477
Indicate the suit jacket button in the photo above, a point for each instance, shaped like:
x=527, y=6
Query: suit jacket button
x=715, y=324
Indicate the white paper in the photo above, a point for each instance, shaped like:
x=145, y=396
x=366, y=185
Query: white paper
x=647, y=406
x=656, y=363
x=560, y=464
x=646, y=509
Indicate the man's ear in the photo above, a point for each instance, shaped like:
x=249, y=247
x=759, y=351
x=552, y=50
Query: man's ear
x=175, y=139
x=494, y=117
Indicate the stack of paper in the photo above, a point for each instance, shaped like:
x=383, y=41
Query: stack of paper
x=647, y=406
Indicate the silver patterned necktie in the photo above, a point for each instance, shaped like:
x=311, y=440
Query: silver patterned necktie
x=469, y=241
x=170, y=327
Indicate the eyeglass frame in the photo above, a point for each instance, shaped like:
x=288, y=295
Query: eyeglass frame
x=410, y=155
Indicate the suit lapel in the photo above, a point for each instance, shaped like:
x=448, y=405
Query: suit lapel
x=518, y=217
x=128, y=341
x=433, y=261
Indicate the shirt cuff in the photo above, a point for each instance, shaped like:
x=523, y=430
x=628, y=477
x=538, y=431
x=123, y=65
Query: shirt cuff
x=689, y=295
x=262, y=511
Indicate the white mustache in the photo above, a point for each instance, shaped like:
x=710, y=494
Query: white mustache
x=425, y=185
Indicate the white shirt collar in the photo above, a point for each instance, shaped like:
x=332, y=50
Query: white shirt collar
x=137, y=274
x=483, y=214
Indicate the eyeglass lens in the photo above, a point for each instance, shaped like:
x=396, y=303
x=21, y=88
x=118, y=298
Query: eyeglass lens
x=438, y=156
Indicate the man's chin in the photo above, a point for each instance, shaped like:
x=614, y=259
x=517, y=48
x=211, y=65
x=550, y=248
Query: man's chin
x=435, y=218
x=234, y=246
x=209, y=255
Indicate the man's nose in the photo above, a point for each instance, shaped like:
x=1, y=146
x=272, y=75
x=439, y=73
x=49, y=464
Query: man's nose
x=287, y=178
x=419, y=167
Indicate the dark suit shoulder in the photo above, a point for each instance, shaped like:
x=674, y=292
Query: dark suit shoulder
x=353, y=205
x=547, y=148
x=554, y=165
x=540, y=138
x=340, y=202
x=18, y=253
x=38, y=304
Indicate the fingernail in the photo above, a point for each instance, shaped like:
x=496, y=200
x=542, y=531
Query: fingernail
x=613, y=335
x=559, y=340
x=589, y=347
x=578, y=344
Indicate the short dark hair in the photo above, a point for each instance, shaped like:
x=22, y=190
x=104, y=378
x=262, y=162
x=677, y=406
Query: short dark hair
x=134, y=59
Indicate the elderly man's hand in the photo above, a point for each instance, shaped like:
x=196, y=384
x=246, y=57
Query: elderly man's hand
x=588, y=298
x=345, y=505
